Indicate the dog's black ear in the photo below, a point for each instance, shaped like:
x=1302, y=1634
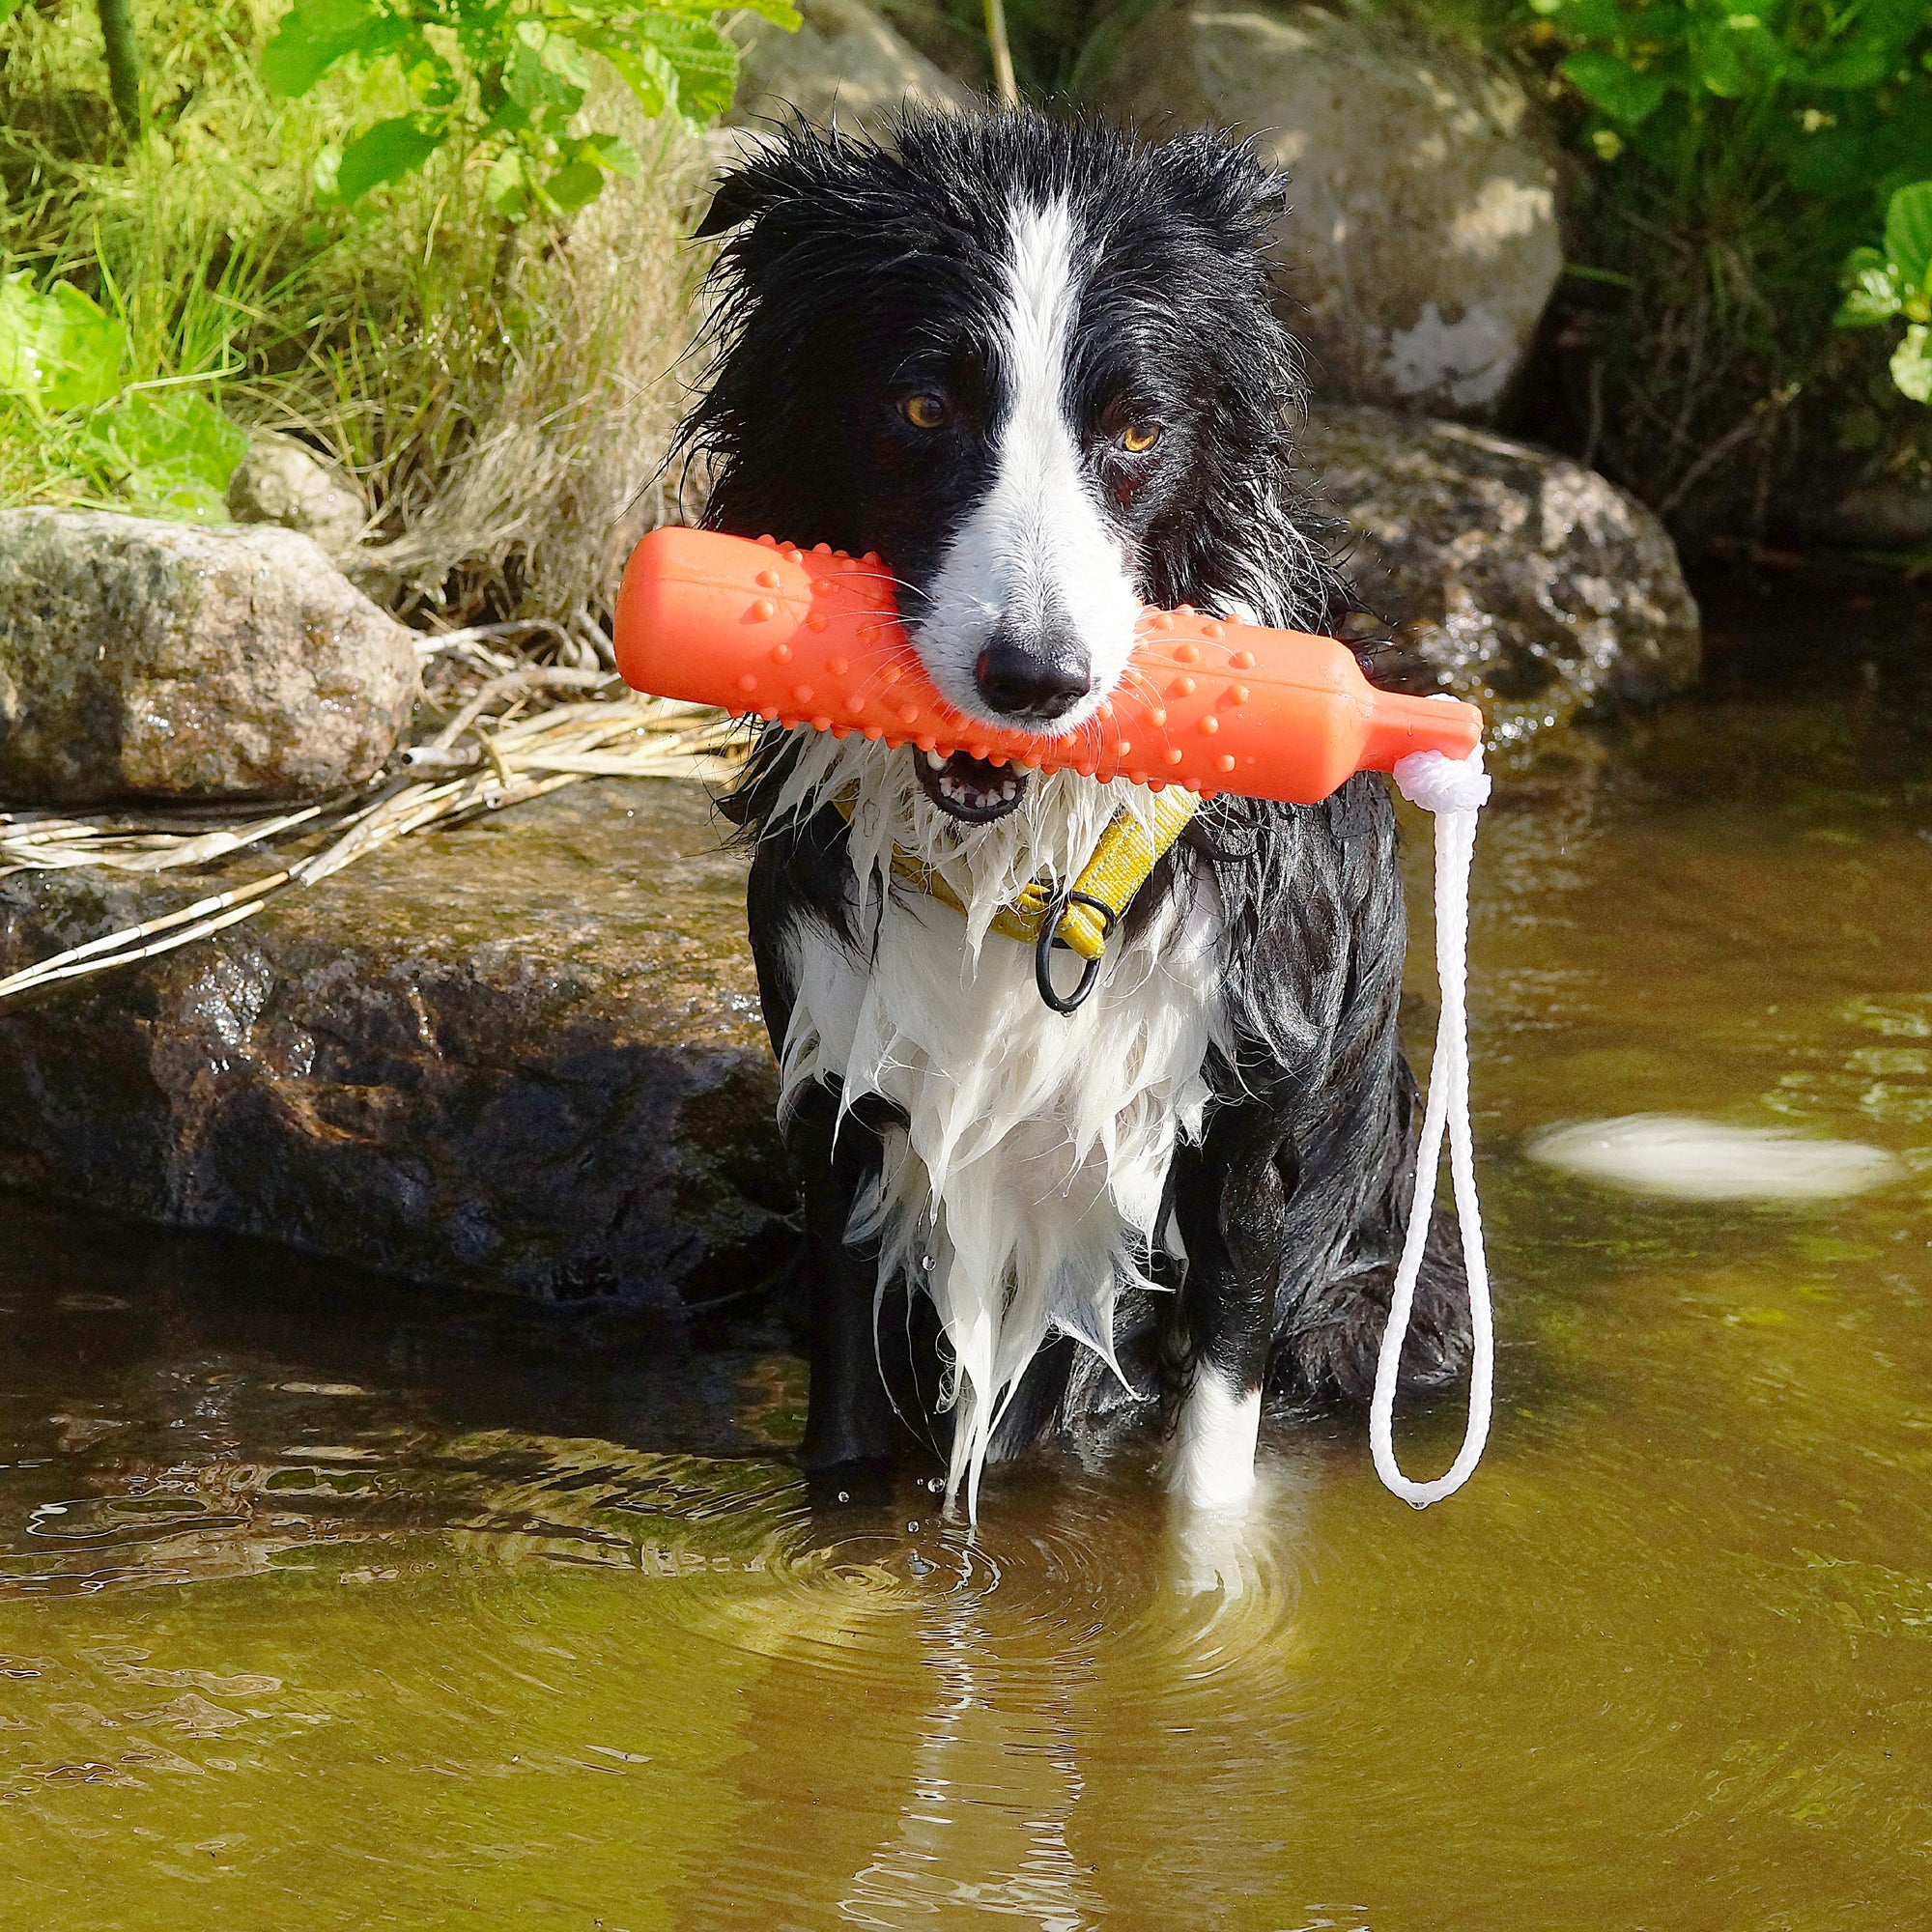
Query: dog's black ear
x=1227, y=185
x=742, y=196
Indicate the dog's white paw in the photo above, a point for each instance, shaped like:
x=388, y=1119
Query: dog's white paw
x=1211, y=1461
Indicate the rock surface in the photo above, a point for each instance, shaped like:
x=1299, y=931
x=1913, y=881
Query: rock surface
x=525, y=1054
x=166, y=661
x=845, y=60
x=1879, y=514
x=1422, y=243
x=1513, y=577
x=280, y=481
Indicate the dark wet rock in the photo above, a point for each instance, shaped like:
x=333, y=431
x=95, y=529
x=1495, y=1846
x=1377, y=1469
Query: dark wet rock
x=1512, y=577
x=166, y=661
x=1886, y=514
x=1421, y=243
x=844, y=61
x=523, y=1055
x=284, y=482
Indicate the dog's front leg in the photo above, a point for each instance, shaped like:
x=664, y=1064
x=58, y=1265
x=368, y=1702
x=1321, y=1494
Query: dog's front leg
x=849, y=1421
x=1230, y=1203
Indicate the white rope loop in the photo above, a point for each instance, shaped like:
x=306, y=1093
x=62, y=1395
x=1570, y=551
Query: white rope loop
x=1454, y=790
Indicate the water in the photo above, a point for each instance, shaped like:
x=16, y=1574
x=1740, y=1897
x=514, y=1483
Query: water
x=324, y=1604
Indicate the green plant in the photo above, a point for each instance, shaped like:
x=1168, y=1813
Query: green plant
x=1733, y=157
x=502, y=396
x=511, y=77
x=1838, y=98
x=1894, y=281
x=162, y=447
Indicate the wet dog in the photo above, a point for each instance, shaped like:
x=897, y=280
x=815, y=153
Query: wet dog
x=1034, y=366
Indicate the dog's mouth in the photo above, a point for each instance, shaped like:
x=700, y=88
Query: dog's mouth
x=973, y=791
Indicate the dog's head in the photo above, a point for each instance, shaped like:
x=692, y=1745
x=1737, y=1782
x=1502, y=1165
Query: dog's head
x=1032, y=364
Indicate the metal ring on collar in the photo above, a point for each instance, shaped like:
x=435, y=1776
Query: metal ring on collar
x=1049, y=937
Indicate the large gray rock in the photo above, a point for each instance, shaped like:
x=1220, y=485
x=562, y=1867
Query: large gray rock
x=1513, y=577
x=281, y=481
x=525, y=1054
x=843, y=62
x=167, y=661
x=1422, y=243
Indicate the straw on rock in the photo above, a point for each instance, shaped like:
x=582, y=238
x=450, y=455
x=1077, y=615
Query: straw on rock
x=517, y=759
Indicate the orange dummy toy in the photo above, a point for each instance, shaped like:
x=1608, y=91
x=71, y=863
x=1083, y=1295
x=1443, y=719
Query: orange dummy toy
x=812, y=636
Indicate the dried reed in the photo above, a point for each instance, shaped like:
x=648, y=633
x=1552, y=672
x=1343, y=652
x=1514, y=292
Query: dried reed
x=517, y=759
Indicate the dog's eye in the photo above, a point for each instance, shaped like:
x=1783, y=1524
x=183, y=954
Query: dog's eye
x=923, y=412
x=1137, y=439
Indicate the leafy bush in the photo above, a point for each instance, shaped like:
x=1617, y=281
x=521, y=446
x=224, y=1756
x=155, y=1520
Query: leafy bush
x=1732, y=158
x=511, y=77
x=1838, y=97
x=1897, y=279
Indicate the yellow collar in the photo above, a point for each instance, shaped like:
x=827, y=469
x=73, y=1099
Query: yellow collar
x=1084, y=914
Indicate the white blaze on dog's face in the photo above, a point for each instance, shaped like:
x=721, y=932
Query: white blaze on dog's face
x=1030, y=617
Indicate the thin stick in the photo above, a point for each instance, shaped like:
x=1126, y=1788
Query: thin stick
x=1004, y=83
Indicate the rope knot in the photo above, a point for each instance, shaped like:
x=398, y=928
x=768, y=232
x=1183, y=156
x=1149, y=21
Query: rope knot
x=1438, y=782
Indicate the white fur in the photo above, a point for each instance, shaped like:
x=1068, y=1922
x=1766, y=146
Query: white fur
x=1210, y=1460
x=1026, y=1188
x=1038, y=542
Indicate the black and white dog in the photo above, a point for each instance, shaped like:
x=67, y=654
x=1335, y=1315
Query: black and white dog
x=1035, y=367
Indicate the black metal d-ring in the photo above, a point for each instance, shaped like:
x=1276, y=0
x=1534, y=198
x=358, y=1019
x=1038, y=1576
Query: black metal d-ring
x=1049, y=938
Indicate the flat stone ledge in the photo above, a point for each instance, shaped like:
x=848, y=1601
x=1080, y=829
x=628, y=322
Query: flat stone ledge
x=525, y=1054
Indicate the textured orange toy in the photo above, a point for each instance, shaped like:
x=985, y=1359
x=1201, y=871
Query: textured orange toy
x=812, y=636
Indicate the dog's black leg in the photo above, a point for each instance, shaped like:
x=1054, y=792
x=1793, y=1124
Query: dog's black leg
x=1230, y=1205
x=850, y=1425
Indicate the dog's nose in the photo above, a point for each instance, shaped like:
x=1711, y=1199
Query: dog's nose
x=1043, y=678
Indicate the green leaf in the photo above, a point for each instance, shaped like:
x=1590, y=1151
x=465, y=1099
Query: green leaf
x=1615, y=86
x=58, y=349
x=312, y=38
x=8, y=8
x=1872, y=49
x=546, y=75
x=574, y=184
x=1911, y=363
x=1588, y=20
x=506, y=186
x=170, y=452
x=783, y=14
x=645, y=71
x=1873, y=290
x=1907, y=234
x=704, y=59
x=610, y=152
x=386, y=152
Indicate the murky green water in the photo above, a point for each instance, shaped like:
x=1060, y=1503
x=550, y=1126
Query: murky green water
x=325, y=1605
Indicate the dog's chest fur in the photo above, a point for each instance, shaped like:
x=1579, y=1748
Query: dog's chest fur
x=1026, y=1187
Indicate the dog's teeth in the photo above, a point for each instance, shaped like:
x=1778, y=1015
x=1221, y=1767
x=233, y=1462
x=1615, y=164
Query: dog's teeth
x=933, y=759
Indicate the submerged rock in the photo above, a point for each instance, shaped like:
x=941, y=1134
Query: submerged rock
x=166, y=661
x=1512, y=577
x=1421, y=244
x=281, y=481
x=525, y=1054
x=842, y=63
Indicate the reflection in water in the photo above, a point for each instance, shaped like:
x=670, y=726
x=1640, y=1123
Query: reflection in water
x=326, y=1603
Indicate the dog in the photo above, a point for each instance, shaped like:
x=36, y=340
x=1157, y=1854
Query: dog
x=1034, y=366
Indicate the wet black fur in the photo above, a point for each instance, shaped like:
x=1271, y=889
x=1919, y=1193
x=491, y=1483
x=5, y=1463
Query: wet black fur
x=857, y=271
